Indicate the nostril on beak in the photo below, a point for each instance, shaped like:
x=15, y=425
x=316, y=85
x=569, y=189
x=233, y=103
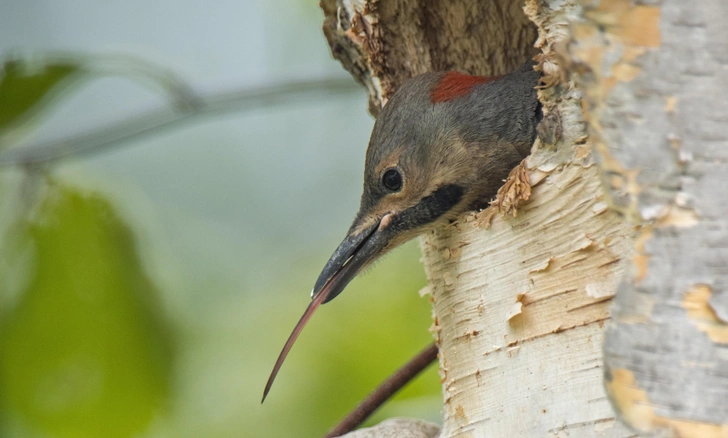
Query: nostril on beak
x=386, y=220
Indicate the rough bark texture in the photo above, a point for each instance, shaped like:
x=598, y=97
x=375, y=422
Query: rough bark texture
x=656, y=78
x=522, y=291
x=520, y=303
x=384, y=43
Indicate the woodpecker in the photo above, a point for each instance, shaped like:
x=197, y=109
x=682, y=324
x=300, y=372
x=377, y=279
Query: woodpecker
x=441, y=146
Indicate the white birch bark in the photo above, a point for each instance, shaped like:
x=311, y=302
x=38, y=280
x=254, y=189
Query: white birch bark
x=521, y=301
x=520, y=308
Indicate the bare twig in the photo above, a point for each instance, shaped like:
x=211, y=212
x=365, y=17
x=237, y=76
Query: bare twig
x=158, y=120
x=387, y=389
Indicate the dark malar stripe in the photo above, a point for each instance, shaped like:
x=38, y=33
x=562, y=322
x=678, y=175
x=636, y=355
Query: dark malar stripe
x=430, y=208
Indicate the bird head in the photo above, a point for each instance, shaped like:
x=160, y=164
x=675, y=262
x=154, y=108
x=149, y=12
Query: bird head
x=418, y=172
x=442, y=145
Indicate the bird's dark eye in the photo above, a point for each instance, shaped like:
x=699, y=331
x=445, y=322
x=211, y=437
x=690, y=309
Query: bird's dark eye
x=392, y=180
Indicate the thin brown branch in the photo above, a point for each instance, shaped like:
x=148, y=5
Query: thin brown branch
x=386, y=390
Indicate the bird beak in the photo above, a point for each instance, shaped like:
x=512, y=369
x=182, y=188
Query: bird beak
x=359, y=248
x=355, y=251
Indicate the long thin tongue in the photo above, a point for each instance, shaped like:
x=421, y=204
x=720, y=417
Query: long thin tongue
x=315, y=303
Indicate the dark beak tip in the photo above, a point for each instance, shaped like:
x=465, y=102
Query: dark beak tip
x=345, y=262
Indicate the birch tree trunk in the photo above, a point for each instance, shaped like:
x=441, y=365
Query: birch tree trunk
x=658, y=111
x=626, y=199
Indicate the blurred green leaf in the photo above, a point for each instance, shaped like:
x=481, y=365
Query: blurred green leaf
x=25, y=86
x=28, y=85
x=85, y=352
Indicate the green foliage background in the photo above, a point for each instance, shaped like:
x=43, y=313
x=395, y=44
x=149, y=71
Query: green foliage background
x=84, y=349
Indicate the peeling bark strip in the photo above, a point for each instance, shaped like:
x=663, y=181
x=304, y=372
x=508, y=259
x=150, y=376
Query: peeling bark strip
x=656, y=88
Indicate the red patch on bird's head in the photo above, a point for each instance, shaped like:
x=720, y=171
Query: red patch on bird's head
x=455, y=84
